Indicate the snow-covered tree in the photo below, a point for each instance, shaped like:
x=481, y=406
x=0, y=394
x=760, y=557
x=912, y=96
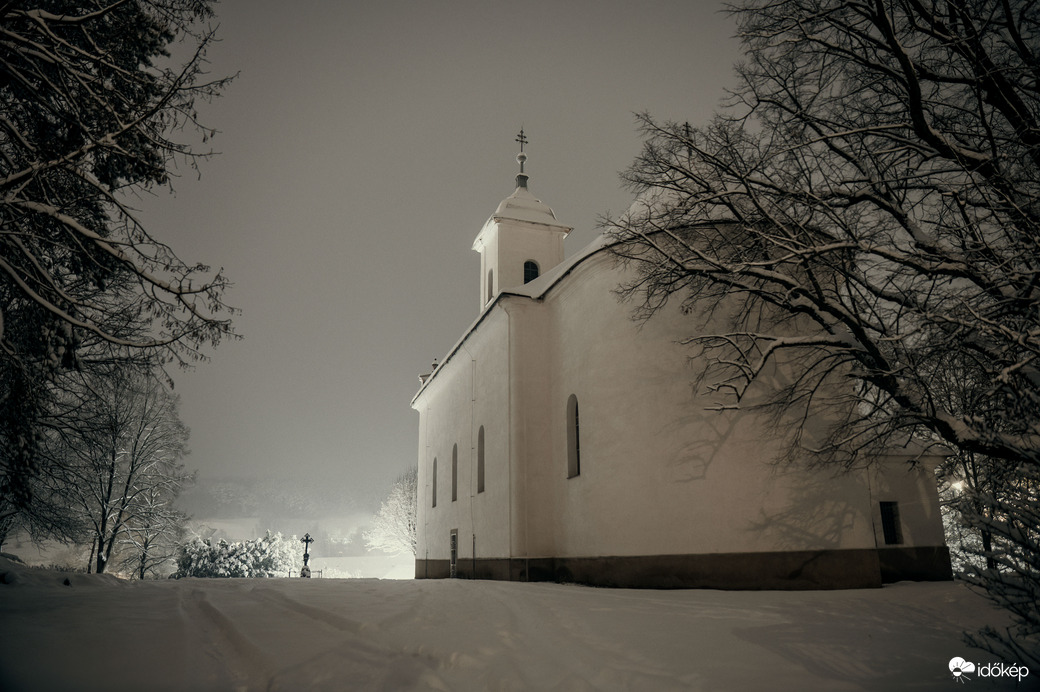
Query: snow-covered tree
x=863, y=218
x=150, y=544
x=89, y=105
x=393, y=528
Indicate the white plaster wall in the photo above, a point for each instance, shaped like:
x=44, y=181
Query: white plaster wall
x=492, y=508
x=542, y=244
x=487, y=245
x=505, y=245
x=470, y=390
x=534, y=512
x=444, y=423
x=659, y=473
x=913, y=487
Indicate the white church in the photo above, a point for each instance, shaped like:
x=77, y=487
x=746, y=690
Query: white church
x=560, y=440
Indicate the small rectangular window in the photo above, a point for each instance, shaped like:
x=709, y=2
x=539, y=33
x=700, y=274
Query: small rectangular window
x=890, y=524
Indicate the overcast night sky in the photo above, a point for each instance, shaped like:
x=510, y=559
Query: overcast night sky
x=362, y=148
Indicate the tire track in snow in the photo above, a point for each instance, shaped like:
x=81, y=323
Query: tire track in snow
x=244, y=662
x=355, y=649
x=282, y=600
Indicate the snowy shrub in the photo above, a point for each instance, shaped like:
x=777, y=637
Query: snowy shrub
x=270, y=556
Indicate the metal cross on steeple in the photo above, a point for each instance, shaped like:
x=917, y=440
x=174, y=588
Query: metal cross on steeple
x=521, y=157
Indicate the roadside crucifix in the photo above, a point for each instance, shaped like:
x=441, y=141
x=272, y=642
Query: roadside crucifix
x=307, y=540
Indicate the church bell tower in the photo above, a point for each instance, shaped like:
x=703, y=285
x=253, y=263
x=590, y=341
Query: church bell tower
x=521, y=241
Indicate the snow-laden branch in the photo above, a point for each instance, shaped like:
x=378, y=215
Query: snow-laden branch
x=861, y=230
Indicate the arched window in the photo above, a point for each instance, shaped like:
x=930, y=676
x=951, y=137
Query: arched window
x=454, y=473
x=573, y=438
x=480, y=460
x=434, y=481
x=530, y=271
x=491, y=285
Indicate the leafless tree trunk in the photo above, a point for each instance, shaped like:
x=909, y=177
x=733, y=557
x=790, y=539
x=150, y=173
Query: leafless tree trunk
x=151, y=543
x=119, y=462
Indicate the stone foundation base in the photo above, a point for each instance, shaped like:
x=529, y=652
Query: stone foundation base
x=819, y=569
x=926, y=563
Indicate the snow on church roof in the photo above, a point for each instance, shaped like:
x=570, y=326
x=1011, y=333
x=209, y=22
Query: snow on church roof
x=523, y=206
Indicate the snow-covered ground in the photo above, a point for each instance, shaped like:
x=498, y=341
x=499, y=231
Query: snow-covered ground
x=365, y=566
x=100, y=633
